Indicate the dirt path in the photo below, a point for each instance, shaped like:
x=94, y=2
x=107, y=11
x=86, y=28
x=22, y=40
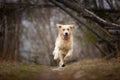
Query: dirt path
x=84, y=70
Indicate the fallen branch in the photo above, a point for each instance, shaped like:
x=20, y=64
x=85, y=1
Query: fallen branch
x=86, y=13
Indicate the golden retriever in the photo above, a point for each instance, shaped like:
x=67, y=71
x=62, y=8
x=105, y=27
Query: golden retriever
x=64, y=44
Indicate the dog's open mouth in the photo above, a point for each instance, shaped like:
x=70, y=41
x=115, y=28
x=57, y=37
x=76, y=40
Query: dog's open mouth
x=66, y=36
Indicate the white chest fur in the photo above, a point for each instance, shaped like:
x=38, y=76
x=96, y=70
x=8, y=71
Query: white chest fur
x=64, y=45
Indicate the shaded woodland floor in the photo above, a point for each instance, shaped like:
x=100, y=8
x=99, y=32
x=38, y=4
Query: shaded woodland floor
x=95, y=69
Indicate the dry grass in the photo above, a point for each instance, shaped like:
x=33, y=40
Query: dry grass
x=18, y=71
x=87, y=69
x=96, y=69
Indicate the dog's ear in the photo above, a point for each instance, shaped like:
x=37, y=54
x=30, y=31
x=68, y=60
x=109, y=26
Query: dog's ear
x=58, y=25
x=72, y=26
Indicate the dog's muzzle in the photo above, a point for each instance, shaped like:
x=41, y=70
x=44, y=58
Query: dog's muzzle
x=66, y=34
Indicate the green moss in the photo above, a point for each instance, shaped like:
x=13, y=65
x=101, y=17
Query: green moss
x=89, y=37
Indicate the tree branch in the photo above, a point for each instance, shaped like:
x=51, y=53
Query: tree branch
x=17, y=5
x=86, y=13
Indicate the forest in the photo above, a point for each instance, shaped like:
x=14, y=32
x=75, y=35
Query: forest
x=28, y=32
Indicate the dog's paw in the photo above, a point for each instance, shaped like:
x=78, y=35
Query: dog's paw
x=67, y=57
x=55, y=57
x=63, y=65
x=53, y=53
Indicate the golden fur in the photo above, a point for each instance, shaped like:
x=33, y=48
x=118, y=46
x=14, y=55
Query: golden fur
x=64, y=43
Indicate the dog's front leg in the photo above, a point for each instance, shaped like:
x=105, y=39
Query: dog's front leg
x=56, y=54
x=61, y=63
x=68, y=55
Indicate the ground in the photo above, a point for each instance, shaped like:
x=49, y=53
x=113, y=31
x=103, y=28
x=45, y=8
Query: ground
x=87, y=69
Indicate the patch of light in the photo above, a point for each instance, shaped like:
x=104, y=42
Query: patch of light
x=27, y=45
x=106, y=5
x=26, y=23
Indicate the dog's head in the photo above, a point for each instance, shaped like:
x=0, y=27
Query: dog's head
x=65, y=30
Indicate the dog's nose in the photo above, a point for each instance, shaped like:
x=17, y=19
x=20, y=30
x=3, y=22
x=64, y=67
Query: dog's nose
x=66, y=34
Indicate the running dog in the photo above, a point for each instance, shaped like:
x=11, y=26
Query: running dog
x=64, y=44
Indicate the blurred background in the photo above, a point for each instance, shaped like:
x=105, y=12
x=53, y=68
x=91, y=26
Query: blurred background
x=28, y=30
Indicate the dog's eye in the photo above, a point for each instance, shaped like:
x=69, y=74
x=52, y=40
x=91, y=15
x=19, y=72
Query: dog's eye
x=63, y=29
x=68, y=29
